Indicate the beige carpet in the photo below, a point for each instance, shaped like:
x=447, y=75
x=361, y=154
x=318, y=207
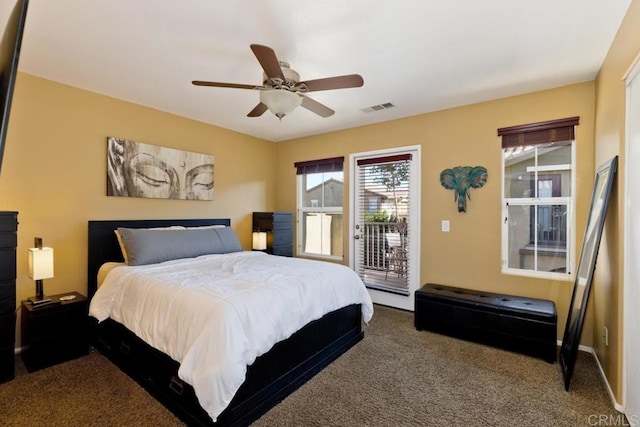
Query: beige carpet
x=396, y=376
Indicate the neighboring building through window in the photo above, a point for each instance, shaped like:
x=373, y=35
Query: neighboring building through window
x=539, y=198
x=320, y=200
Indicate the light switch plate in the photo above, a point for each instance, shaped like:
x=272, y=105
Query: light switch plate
x=445, y=225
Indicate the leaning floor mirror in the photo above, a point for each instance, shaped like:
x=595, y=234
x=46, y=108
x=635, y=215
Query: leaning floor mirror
x=573, y=329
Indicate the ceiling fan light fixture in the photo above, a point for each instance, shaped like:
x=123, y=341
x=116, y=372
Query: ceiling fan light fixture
x=282, y=91
x=280, y=102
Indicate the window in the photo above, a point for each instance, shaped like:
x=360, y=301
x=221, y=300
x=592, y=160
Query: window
x=320, y=195
x=538, y=198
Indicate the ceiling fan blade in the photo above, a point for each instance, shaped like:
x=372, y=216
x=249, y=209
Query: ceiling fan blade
x=338, y=82
x=258, y=110
x=268, y=60
x=231, y=85
x=316, y=107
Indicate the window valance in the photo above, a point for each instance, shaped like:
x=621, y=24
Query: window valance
x=539, y=133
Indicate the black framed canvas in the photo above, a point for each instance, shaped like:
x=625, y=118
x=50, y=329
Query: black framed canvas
x=584, y=276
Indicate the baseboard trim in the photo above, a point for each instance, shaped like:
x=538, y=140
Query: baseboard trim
x=616, y=405
x=580, y=347
x=585, y=349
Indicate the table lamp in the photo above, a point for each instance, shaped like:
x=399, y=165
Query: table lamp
x=259, y=240
x=40, y=267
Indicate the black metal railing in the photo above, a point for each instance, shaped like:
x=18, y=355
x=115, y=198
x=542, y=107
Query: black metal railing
x=379, y=239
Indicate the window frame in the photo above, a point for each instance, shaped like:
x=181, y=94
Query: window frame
x=536, y=135
x=303, y=210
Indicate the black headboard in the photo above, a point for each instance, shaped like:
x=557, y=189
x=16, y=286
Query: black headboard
x=104, y=247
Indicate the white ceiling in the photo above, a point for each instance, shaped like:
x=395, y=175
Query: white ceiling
x=420, y=55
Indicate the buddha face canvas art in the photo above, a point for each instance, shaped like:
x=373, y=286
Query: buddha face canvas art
x=136, y=169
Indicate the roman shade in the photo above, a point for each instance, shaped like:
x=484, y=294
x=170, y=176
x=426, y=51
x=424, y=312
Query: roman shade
x=539, y=133
x=333, y=164
x=385, y=159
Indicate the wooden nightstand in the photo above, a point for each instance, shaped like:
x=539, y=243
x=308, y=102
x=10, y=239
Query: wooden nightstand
x=55, y=333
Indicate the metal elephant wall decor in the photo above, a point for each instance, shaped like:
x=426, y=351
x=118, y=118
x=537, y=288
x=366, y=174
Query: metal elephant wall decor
x=461, y=180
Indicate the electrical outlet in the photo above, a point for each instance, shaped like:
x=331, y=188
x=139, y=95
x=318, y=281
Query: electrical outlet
x=606, y=336
x=445, y=225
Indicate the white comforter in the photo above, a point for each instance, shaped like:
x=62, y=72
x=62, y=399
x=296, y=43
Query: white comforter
x=216, y=313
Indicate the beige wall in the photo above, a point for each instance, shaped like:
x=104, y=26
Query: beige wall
x=54, y=173
x=610, y=140
x=469, y=255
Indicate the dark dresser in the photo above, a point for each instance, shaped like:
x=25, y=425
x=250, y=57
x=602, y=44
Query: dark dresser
x=279, y=228
x=8, y=242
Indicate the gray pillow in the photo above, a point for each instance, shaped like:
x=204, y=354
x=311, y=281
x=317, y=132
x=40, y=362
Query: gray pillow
x=227, y=241
x=148, y=246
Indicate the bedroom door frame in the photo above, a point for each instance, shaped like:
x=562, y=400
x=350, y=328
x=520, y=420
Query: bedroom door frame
x=631, y=282
x=405, y=302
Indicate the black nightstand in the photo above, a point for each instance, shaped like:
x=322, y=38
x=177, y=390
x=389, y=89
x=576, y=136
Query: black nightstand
x=55, y=333
x=279, y=228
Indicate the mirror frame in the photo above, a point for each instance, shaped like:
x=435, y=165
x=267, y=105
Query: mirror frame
x=584, y=274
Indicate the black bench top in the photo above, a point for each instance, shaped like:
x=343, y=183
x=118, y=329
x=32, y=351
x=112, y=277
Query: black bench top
x=530, y=308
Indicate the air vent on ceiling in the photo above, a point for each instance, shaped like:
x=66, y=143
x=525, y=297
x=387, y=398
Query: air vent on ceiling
x=378, y=107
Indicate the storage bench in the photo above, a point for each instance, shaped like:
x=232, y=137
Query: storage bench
x=525, y=325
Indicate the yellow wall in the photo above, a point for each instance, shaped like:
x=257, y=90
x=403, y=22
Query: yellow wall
x=54, y=173
x=468, y=256
x=610, y=140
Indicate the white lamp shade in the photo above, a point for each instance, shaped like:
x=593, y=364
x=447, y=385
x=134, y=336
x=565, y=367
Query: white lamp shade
x=40, y=263
x=280, y=101
x=259, y=240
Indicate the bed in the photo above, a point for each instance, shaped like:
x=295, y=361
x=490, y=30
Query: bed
x=269, y=378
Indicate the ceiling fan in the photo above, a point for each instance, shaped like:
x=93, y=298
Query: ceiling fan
x=282, y=91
